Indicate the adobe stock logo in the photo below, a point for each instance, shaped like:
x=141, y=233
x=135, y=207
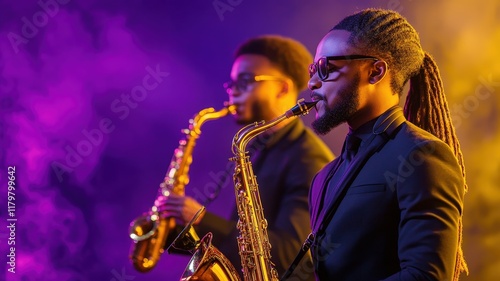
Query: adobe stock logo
x=40, y=19
x=461, y=111
x=221, y=7
x=121, y=276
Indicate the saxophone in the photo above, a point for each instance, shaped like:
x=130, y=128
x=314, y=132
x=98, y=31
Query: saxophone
x=253, y=241
x=150, y=230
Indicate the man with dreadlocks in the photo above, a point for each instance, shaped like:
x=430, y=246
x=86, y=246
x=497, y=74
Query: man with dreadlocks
x=390, y=208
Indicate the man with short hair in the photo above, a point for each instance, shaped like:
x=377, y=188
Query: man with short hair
x=267, y=76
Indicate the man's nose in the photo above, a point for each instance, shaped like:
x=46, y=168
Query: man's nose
x=233, y=92
x=314, y=82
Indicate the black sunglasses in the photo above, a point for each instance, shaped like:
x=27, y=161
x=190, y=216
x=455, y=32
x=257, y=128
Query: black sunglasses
x=323, y=68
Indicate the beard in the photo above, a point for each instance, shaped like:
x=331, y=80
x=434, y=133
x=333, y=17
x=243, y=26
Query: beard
x=255, y=113
x=347, y=105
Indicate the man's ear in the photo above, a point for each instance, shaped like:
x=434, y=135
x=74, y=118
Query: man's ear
x=286, y=87
x=378, y=71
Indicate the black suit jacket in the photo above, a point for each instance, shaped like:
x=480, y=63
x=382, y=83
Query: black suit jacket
x=399, y=217
x=284, y=164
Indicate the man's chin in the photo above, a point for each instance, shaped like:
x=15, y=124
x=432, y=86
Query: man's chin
x=240, y=120
x=320, y=130
x=323, y=126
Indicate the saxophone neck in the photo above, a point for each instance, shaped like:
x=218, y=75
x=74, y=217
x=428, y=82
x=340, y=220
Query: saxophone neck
x=247, y=133
x=208, y=114
x=177, y=176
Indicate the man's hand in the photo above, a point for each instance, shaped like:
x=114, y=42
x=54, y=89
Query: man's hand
x=182, y=208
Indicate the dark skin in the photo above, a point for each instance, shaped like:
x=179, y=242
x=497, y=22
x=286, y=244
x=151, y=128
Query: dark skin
x=271, y=99
x=374, y=96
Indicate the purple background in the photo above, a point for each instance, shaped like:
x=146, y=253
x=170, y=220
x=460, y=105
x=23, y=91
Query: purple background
x=87, y=163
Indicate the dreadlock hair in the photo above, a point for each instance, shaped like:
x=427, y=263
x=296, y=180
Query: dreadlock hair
x=389, y=36
x=287, y=54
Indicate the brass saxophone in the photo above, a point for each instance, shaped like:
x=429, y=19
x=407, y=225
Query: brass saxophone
x=150, y=230
x=253, y=241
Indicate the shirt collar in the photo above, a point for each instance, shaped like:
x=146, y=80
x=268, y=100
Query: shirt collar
x=272, y=137
x=366, y=130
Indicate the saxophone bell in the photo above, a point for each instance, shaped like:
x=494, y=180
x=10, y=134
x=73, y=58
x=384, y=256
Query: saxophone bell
x=143, y=227
x=207, y=262
x=150, y=231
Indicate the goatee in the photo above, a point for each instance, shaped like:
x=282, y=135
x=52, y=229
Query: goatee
x=346, y=105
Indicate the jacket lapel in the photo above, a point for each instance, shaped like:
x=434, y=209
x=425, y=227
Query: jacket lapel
x=383, y=130
x=317, y=203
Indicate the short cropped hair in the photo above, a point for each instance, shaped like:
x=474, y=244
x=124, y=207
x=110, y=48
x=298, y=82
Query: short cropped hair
x=287, y=54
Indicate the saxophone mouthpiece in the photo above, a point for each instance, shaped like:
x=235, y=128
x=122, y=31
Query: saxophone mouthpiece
x=230, y=107
x=302, y=108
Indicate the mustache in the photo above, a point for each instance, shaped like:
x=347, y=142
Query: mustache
x=315, y=96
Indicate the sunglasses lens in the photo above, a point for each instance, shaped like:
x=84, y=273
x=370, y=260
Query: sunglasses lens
x=323, y=68
x=312, y=70
x=241, y=85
